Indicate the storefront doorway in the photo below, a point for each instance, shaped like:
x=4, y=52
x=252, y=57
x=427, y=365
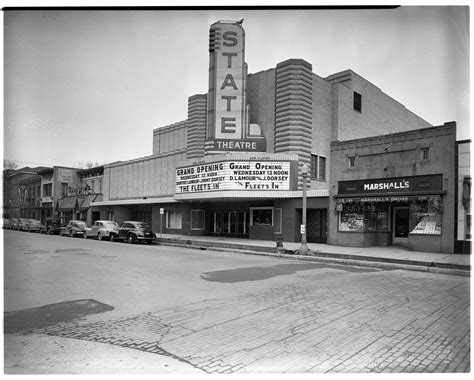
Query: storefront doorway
x=317, y=226
x=229, y=223
x=401, y=225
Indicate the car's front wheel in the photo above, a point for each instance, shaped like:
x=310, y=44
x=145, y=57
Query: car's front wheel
x=85, y=236
x=71, y=234
x=99, y=236
x=131, y=239
x=112, y=238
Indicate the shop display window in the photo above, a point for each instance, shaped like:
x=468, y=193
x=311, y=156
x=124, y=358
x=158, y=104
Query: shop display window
x=364, y=217
x=173, y=219
x=426, y=216
x=262, y=216
x=197, y=219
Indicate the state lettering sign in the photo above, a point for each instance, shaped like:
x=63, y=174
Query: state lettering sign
x=226, y=81
x=228, y=127
x=234, y=175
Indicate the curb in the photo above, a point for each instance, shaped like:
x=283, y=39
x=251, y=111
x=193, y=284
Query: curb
x=345, y=259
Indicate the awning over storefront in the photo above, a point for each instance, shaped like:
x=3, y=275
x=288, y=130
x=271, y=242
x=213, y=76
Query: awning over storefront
x=84, y=202
x=69, y=203
x=137, y=201
x=257, y=194
x=386, y=198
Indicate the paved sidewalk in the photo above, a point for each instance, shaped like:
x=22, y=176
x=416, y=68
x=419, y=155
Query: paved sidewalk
x=394, y=256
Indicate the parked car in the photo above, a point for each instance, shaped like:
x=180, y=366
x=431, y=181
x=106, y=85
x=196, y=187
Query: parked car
x=133, y=231
x=74, y=228
x=35, y=226
x=6, y=223
x=52, y=226
x=23, y=224
x=103, y=229
x=14, y=223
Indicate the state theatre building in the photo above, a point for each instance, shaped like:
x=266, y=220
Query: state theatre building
x=234, y=166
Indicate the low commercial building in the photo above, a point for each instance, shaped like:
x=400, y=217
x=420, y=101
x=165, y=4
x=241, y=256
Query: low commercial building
x=397, y=189
x=21, y=193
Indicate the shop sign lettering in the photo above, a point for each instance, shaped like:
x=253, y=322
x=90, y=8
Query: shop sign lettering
x=234, y=175
x=409, y=184
x=387, y=186
x=84, y=189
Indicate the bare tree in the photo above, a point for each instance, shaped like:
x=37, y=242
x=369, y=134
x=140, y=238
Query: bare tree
x=87, y=165
x=9, y=164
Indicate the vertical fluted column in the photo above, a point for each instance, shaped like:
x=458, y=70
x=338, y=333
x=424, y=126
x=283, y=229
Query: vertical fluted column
x=293, y=110
x=196, y=128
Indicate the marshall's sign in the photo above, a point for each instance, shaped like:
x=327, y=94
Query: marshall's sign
x=417, y=184
x=389, y=185
x=228, y=128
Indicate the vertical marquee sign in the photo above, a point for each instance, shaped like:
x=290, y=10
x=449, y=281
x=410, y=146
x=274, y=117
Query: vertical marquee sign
x=227, y=124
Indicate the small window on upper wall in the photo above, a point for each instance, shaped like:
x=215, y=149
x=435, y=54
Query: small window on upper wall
x=352, y=162
x=425, y=154
x=357, y=102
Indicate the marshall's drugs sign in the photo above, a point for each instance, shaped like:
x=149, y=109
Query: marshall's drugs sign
x=233, y=175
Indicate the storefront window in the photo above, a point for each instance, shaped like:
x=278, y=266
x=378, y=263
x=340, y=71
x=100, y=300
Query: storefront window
x=352, y=217
x=197, y=219
x=426, y=216
x=173, y=219
x=364, y=217
x=262, y=216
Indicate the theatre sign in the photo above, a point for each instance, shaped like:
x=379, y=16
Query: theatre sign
x=228, y=128
x=234, y=175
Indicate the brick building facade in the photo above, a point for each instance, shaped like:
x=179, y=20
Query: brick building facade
x=395, y=189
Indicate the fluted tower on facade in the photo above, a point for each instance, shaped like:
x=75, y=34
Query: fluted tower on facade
x=293, y=110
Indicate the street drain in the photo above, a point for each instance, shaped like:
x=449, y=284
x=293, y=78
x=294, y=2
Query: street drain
x=46, y=315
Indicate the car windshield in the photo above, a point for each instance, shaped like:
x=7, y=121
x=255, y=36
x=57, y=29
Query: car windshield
x=111, y=224
x=79, y=224
x=143, y=225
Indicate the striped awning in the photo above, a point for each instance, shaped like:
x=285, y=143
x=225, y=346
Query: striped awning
x=69, y=203
x=85, y=201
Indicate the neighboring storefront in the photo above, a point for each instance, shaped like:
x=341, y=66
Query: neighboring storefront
x=414, y=209
x=392, y=211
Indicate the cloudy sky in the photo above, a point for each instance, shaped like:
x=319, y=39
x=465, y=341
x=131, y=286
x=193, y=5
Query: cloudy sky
x=92, y=85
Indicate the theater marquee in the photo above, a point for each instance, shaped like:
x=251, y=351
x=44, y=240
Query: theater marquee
x=234, y=175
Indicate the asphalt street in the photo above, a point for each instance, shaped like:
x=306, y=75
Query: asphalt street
x=87, y=306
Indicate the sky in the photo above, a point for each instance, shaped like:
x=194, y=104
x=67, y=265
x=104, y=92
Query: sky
x=90, y=86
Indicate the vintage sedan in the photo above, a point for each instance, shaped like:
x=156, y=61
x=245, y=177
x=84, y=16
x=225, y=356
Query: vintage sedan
x=35, y=226
x=133, y=232
x=14, y=223
x=75, y=228
x=52, y=226
x=23, y=224
x=6, y=223
x=102, y=229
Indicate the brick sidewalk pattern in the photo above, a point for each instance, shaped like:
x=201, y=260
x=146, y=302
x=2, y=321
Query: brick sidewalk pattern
x=323, y=322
